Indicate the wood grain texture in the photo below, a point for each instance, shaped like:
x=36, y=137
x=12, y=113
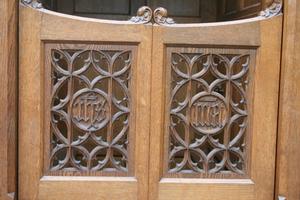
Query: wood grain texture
x=79, y=188
x=255, y=34
x=288, y=172
x=39, y=26
x=8, y=98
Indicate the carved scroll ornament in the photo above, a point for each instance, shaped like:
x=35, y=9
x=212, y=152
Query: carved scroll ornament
x=144, y=15
x=160, y=16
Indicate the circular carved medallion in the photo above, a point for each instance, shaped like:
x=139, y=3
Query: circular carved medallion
x=208, y=114
x=90, y=111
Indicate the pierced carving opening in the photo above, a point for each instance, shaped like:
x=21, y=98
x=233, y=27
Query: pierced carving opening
x=90, y=110
x=208, y=113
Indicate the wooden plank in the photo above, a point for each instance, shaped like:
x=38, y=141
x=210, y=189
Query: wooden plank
x=8, y=97
x=111, y=188
x=288, y=171
x=30, y=155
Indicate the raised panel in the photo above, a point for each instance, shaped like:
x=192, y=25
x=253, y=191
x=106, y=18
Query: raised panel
x=89, y=103
x=208, y=108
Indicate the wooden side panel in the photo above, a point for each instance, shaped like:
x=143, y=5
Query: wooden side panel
x=30, y=94
x=262, y=36
x=288, y=171
x=41, y=32
x=8, y=97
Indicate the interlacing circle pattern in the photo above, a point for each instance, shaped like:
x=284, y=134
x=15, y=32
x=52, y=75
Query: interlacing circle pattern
x=208, y=113
x=90, y=110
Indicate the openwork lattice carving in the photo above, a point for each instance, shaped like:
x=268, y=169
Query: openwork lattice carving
x=90, y=109
x=208, y=113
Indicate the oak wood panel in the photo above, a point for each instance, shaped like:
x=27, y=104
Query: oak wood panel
x=41, y=26
x=54, y=188
x=252, y=33
x=288, y=172
x=8, y=98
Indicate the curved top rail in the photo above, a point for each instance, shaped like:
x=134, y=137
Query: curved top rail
x=159, y=16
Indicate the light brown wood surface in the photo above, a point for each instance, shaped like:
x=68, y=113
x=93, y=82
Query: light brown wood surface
x=265, y=37
x=38, y=27
x=41, y=29
x=288, y=171
x=8, y=97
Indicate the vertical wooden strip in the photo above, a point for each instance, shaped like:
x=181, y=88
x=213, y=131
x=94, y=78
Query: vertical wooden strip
x=8, y=98
x=288, y=171
x=30, y=103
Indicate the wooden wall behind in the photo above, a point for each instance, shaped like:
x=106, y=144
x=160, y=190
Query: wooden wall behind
x=240, y=9
x=288, y=165
x=8, y=97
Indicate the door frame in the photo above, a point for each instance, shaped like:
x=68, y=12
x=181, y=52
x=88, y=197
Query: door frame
x=288, y=148
x=8, y=98
x=10, y=25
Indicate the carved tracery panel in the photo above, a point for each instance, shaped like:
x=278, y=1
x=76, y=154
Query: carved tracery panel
x=208, y=112
x=90, y=109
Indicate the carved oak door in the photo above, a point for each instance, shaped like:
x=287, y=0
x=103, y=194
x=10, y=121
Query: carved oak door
x=84, y=104
x=214, y=108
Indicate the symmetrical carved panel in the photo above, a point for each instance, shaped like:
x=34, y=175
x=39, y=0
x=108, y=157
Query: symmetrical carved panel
x=208, y=111
x=90, y=108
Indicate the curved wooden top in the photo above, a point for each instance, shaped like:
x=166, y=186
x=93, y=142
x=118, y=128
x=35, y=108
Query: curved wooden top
x=159, y=16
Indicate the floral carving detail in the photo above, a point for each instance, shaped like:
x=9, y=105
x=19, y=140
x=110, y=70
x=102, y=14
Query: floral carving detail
x=208, y=113
x=32, y=3
x=273, y=10
x=90, y=110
